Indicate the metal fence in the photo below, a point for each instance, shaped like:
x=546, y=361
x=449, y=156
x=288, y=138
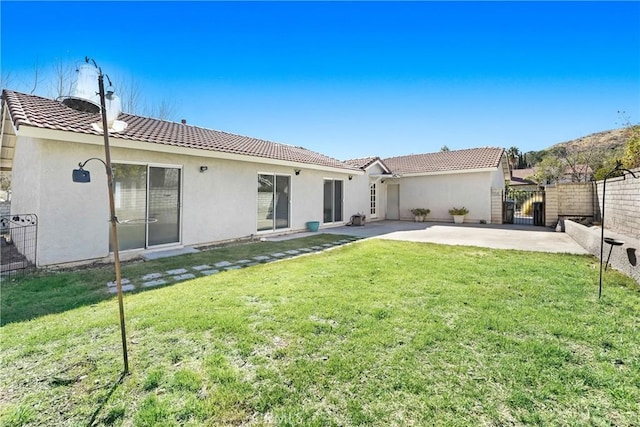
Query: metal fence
x=525, y=207
x=19, y=239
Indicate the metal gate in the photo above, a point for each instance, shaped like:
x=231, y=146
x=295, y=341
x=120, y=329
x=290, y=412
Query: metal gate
x=525, y=207
x=19, y=238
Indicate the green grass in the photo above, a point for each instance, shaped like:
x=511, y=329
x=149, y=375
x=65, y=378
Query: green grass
x=47, y=292
x=373, y=333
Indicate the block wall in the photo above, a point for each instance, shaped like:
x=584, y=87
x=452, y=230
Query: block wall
x=622, y=204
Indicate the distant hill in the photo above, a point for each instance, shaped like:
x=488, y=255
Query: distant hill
x=609, y=139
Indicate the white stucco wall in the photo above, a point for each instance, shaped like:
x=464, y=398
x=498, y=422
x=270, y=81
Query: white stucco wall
x=439, y=193
x=217, y=205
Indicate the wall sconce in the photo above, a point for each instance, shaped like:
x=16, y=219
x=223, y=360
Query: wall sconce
x=382, y=182
x=203, y=169
x=350, y=177
x=297, y=171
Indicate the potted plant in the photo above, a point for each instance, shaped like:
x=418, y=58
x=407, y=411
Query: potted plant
x=458, y=214
x=420, y=214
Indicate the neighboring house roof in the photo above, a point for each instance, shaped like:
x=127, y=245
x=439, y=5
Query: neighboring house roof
x=522, y=177
x=367, y=162
x=446, y=161
x=35, y=111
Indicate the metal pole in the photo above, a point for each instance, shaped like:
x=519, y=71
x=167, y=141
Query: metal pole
x=604, y=188
x=113, y=220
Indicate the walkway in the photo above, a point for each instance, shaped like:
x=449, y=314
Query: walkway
x=515, y=237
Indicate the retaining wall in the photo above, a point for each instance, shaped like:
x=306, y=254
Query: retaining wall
x=623, y=258
x=622, y=204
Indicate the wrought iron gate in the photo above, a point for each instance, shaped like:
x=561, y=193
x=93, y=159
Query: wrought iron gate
x=19, y=238
x=524, y=207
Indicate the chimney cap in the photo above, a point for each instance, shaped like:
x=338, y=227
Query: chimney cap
x=183, y=121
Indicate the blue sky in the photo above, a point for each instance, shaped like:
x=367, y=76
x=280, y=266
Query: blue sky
x=353, y=79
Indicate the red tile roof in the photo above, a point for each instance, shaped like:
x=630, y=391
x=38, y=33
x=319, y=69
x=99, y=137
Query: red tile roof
x=30, y=110
x=445, y=161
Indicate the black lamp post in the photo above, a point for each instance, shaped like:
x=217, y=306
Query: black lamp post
x=617, y=169
x=80, y=175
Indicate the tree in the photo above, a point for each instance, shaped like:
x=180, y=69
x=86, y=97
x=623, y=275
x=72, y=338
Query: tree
x=549, y=170
x=631, y=157
x=444, y=148
x=512, y=156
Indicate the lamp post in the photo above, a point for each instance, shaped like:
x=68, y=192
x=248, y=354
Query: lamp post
x=80, y=175
x=113, y=219
x=617, y=169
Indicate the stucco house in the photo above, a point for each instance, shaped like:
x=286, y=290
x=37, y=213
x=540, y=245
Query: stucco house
x=181, y=185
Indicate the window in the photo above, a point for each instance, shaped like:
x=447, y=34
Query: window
x=332, y=201
x=372, y=190
x=273, y=202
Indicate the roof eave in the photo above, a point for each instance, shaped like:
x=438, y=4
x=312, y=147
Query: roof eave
x=114, y=141
x=448, y=172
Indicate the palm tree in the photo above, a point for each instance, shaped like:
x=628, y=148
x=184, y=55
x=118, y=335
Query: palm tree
x=512, y=155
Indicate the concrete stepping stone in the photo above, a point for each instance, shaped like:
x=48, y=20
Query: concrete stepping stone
x=278, y=255
x=153, y=283
x=125, y=288
x=152, y=276
x=222, y=264
x=306, y=250
x=261, y=258
x=233, y=267
x=185, y=276
x=293, y=252
x=209, y=272
x=176, y=271
x=122, y=282
x=243, y=261
x=316, y=248
x=202, y=267
x=327, y=245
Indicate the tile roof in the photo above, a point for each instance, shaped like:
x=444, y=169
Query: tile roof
x=30, y=110
x=445, y=161
x=364, y=162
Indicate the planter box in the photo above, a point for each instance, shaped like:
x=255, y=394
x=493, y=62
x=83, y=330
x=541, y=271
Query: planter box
x=458, y=219
x=313, y=225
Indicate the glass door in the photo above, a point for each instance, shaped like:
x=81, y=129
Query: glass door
x=147, y=202
x=274, y=194
x=164, y=206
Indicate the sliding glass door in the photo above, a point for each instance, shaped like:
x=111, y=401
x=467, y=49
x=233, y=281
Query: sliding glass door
x=274, y=194
x=332, y=201
x=147, y=201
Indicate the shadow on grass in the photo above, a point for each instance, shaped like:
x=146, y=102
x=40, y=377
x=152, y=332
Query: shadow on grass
x=113, y=415
x=49, y=292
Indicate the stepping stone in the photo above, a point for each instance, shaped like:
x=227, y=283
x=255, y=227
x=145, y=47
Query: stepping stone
x=209, y=272
x=261, y=258
x=316, y=248
x=185, y=276
x=177, y=271
x=278, y=255
x=293, y=252
x=327, y=245
x=343, y=241
x=154, y=283
x=222, y=264
x=202, y=267
x=152, y=276
x=125, y=288
x=243, y=261
x=251, y=264
x=233, y=267
x=306, y=250
x=122, y=282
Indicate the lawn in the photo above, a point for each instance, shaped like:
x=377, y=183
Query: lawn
x=372, y=333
